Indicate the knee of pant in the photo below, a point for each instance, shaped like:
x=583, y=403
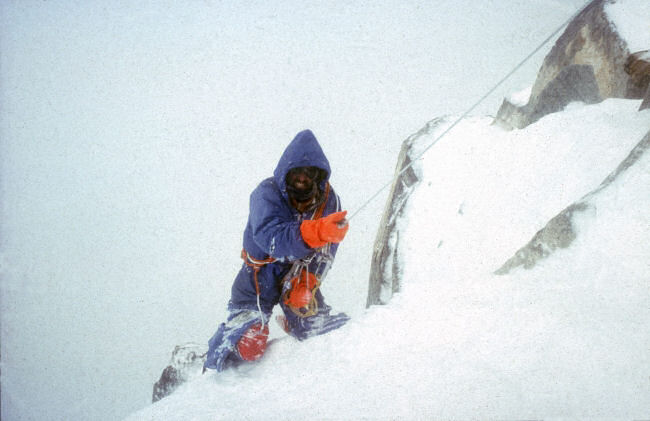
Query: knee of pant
x=252, y=344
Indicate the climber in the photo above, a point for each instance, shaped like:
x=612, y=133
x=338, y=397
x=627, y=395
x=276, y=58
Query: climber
x=294, y=226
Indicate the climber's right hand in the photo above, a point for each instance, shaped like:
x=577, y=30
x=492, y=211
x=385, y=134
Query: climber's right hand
x=329, y=229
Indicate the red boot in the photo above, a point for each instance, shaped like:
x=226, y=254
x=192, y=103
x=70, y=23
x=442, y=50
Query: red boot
x=252, y=344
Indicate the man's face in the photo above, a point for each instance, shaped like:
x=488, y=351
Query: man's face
x=301, y=178
x=301, y=182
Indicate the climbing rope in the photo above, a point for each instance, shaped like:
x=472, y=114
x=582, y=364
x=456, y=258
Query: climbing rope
x=470, y=109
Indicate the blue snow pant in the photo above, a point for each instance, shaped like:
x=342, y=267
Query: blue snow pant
x=322, y=322
x=222, y=344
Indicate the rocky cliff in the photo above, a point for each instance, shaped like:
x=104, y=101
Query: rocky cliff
x=588, y=63
x=384, y=275
x=638, y=67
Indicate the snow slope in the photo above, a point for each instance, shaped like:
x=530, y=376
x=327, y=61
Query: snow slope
x=568, y=339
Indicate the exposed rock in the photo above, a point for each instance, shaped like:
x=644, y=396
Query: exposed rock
x=384, y=270
x=638, y=67
x=589, y=41
x=560, y=232
x=573, y=83
x=511, y=116
x=641, y=148
x=186, y=363
x=646, y=100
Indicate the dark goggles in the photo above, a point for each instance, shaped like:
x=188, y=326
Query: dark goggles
x=311, y=172
x=303, y=195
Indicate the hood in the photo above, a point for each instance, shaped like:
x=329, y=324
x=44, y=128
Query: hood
x=303, y=151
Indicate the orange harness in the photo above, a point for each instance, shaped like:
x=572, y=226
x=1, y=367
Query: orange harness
x=321, y=208
x=256, y=265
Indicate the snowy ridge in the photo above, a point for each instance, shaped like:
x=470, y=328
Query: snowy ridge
x=567, y=339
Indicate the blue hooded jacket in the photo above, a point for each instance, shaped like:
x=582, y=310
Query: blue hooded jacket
x=273, y=227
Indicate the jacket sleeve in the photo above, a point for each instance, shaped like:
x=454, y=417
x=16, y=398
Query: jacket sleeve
x=273, y=226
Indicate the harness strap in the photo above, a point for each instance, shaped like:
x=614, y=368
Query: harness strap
x=252, y=262
x=321, y=208
x=257, y=266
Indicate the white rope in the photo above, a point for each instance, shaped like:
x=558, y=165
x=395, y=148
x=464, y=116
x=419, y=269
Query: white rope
x=259, y=308
x=466, y=113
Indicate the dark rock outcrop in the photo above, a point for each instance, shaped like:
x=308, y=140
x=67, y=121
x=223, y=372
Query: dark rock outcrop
x=576, y=82
x=638, y=67
x=186, y=362
x=560, y=232
x=384, y=271
x=587, y=63
x=646, y=100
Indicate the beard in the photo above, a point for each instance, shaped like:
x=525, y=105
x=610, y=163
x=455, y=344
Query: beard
x=303, y=194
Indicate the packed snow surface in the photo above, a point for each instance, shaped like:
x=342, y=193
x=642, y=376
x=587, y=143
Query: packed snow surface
x=568, y=339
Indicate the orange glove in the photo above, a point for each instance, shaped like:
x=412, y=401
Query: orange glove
x=318, y=232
